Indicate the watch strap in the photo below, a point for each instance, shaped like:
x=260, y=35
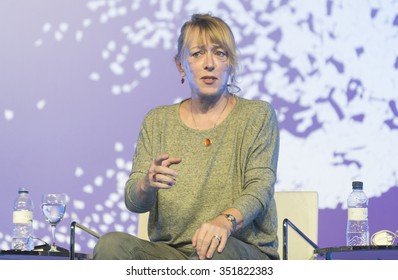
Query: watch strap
x=232, y=219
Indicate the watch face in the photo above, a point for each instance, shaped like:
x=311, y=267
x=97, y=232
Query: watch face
x=230, y=217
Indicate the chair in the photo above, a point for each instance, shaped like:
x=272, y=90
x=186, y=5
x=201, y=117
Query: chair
x=142, y=231
x=299, y=211
x=73, y=226
x=296, y=209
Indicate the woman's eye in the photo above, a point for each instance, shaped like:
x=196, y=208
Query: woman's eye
x=197, y=54
x=220, y=53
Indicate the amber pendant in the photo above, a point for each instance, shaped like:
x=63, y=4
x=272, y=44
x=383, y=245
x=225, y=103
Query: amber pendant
x=207, y=142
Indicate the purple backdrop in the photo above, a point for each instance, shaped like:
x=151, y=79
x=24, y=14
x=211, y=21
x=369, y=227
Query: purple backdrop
x=77, y=78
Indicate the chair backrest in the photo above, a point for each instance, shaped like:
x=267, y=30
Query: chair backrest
x=142, y=231
x=301, y=208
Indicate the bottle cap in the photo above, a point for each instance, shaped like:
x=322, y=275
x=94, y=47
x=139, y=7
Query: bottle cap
x=23, y=190
x=357, y=185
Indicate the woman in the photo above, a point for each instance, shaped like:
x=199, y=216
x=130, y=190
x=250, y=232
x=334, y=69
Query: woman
x=212, y=163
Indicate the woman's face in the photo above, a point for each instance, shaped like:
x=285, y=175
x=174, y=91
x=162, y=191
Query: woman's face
x=206, y=67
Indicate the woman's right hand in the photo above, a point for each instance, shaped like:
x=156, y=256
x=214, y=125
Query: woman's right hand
x=160, y=175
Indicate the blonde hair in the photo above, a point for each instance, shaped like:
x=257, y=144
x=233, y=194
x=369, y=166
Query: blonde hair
x=216, y=31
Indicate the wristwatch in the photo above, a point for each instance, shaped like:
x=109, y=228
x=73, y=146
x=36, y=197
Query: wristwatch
x=232, y=219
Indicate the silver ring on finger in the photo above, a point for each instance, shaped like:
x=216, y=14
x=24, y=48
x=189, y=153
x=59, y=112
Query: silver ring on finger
x=217, y=237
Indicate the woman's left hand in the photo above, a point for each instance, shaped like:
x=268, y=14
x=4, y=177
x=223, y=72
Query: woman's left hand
x=211, y=236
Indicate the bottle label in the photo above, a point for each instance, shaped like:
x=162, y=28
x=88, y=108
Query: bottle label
x=357, y=214
x=22, y=217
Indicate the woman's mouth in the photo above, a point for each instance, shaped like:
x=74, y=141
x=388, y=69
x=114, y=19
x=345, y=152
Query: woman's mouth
x=209, y=79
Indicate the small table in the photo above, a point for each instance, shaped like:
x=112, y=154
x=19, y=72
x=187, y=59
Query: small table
x=372, y=252
x=40, y=255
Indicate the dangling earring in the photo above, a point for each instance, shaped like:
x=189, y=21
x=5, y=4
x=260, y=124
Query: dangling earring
x=182, y=80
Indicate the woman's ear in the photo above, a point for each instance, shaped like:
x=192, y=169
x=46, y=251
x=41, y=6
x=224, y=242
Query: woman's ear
x=180, y=67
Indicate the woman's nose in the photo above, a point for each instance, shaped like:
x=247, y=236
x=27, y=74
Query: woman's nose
x=209, y=62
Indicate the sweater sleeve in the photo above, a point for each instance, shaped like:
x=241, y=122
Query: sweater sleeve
x=260, y=166
x=142, y=158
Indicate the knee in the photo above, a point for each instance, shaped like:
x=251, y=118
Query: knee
x=109, y=240
x=109, y=245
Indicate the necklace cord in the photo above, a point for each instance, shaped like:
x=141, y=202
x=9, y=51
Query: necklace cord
x=218, y=118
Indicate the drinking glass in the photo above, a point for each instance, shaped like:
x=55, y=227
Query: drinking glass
x=53, y=207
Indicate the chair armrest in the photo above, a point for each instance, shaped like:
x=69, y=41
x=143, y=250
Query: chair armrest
x=73, y=226
x=286, y=223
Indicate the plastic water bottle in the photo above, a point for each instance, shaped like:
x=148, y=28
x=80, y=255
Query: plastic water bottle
x=22, y=238
x=357, y=222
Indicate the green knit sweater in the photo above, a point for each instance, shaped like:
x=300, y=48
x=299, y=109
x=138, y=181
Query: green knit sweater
x=237, y=170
